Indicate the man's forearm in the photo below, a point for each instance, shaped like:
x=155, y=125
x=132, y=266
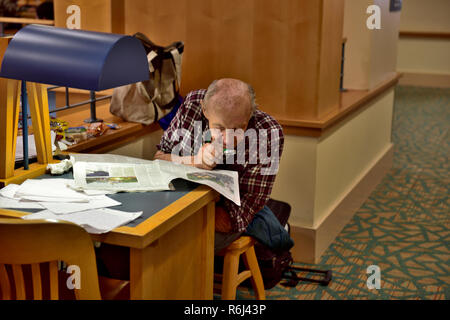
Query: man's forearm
x=188, y=160
x=194, y=161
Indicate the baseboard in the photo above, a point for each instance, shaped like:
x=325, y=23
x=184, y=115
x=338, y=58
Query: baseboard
x=425, y=80
x=311, y=243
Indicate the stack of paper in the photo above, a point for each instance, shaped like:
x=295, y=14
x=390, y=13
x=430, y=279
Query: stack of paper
x=93, y=221
x=49, y=190
x=10, y=201
x=59, y=201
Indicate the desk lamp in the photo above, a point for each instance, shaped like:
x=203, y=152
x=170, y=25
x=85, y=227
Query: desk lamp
x=79, y=59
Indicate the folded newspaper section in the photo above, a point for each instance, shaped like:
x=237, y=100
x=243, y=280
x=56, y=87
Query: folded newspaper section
x=120, y=173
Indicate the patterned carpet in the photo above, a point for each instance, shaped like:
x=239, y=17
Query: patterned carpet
x=403, y=227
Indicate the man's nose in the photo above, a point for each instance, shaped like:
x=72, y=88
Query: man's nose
x=228, y=137
x=224, y=139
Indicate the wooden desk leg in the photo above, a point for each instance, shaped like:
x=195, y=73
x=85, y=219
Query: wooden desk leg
x=179, y=265
x=40, y=118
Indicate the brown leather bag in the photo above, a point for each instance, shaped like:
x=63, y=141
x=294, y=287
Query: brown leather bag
x=148, y=101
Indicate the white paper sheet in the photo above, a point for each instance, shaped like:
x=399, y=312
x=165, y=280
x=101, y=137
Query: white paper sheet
x=31, y=146
x=9, y=191
x=51, y=199
x=93, y=221
x=51, y=189
x=95, y=202
x=17, y=204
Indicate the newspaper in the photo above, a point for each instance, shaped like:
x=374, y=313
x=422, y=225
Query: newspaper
x=117, y=173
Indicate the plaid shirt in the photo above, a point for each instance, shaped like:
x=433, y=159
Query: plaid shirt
x=255, y=185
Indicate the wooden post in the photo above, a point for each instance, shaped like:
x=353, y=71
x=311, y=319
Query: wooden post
x=38, y=101
x=9, y=118
x=9, y=123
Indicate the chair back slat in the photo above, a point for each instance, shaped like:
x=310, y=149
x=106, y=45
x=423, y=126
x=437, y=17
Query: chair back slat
x=36, y=278
x=53, y=268
x=4, y=283
x=19, y=282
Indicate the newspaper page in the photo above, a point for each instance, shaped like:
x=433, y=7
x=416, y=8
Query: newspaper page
x=119, y=176
x=127, y=174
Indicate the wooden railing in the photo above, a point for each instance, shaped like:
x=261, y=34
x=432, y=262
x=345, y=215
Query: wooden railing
x=425, y=34
x=26, y=21
x=22, y=21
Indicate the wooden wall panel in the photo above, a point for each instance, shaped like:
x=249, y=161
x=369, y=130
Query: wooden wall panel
x=118, y=16
x=233, y=38
x=282, y=48
x=162, y=21
x=286, y=57
x=384, y=42
x=303, y=59
x=330, y=67
x=270, y=51
x=200, y=54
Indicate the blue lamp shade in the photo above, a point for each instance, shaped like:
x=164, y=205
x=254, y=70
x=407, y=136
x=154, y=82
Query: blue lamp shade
x=74, y=58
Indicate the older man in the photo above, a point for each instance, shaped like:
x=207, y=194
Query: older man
x=215, y=117
x=228, y=111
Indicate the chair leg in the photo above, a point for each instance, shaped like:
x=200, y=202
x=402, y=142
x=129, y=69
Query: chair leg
x=257, y=282
x=229, y=280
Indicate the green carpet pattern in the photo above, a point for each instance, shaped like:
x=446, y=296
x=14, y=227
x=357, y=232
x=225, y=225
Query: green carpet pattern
x=403, y=227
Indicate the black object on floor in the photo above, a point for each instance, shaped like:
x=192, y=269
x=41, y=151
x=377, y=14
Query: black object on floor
x=292, y=279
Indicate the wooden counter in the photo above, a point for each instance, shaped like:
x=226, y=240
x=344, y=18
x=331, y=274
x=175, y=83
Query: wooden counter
x=350, y=101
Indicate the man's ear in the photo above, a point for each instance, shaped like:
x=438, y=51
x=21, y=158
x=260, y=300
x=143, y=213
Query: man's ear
x=202, y=103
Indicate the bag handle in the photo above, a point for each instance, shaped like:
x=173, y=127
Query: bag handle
x=164, y=52
x=177, y=61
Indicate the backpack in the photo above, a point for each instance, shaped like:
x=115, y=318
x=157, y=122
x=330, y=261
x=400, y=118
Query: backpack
x=148, y=101
x=276, y=266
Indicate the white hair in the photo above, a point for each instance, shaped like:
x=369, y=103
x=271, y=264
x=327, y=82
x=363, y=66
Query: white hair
x=235, y=85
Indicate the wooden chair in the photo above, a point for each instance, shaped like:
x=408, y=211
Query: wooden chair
x=40, y=242
x=231, y=278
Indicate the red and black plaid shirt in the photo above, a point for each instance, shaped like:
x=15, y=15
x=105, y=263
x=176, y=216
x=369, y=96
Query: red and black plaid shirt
x=255, y=185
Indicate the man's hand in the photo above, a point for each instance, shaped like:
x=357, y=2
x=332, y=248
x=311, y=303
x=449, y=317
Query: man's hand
x=205, y=158
x=222, y=220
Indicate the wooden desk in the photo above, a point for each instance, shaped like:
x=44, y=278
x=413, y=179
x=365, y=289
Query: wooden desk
x=172, y=251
